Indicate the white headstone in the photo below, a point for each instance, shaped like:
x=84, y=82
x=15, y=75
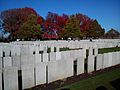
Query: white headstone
x=7, y=61
x=13, y=49
x=109, y=59
x=84, y=53
x=58, y=56
x=27, y=59
x=0, y=79
x=6, y=50
x=90, y=63
x=90, y=51
x=24, y=59
x=65, y=55
x=74, y=54
x=114, y=58
x=41, y=48
x=45, y=57
x=80, y=65
x=52, y=71
x=17, y=50
x=37, y=58
x=52, y=49
x=32, y=49
x=96, y=51
x=59, y=70
x=117, y=58
x=36, y=50
x=27, y=77
x=57, y=49
x=31, y=59
x=45, y=49
x=40, y=70
x=52, y=56
x=64, y=68
x=105, y=60
x=1, y=51
x=69, y=69
x=99, y=62
x=1, y=63
x=10, y=78
x=16, y=62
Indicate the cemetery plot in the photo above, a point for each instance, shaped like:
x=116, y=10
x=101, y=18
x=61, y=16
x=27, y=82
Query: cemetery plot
x=47, y=61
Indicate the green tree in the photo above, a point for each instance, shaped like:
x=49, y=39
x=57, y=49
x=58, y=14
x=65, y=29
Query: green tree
x=72, y=28
x=30, y=29
x=95, y=30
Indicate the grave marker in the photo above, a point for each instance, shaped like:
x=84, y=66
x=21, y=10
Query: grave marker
x=90, y=63
x=27, y=77
x=10, y=78
x=80, y=65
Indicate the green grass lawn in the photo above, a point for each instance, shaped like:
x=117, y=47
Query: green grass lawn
x=100, y=51
x=106, y=50
x=96, y=81
x=62, y=49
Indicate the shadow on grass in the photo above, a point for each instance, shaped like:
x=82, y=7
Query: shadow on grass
x=65, y=89
x=101, y=88
x=116, y=84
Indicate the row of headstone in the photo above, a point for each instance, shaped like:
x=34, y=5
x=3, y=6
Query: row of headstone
x=43, y=72
x=32, y=76
x=17, y=61
x=107, y=60
x=73, y=44
x=18, y=48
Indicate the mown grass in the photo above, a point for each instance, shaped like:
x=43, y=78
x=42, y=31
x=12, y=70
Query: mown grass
x=62, y=49
x=96, y=81
x=106, y=50
x=100, y=51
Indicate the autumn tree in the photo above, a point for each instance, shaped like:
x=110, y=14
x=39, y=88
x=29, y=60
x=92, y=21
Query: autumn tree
x=84, y=23
x=72, y=28
x=26, y=23
x=54, y=24
x=14, y=18
x=30, y=29
x=61, y=21
x=95, y=30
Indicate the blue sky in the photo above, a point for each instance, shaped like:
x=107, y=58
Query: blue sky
x=107, y=12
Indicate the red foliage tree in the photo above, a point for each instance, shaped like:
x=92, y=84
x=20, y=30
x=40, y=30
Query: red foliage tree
x=14, y=18
x=40, y=20
x=54, y=25
x=85, y=23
